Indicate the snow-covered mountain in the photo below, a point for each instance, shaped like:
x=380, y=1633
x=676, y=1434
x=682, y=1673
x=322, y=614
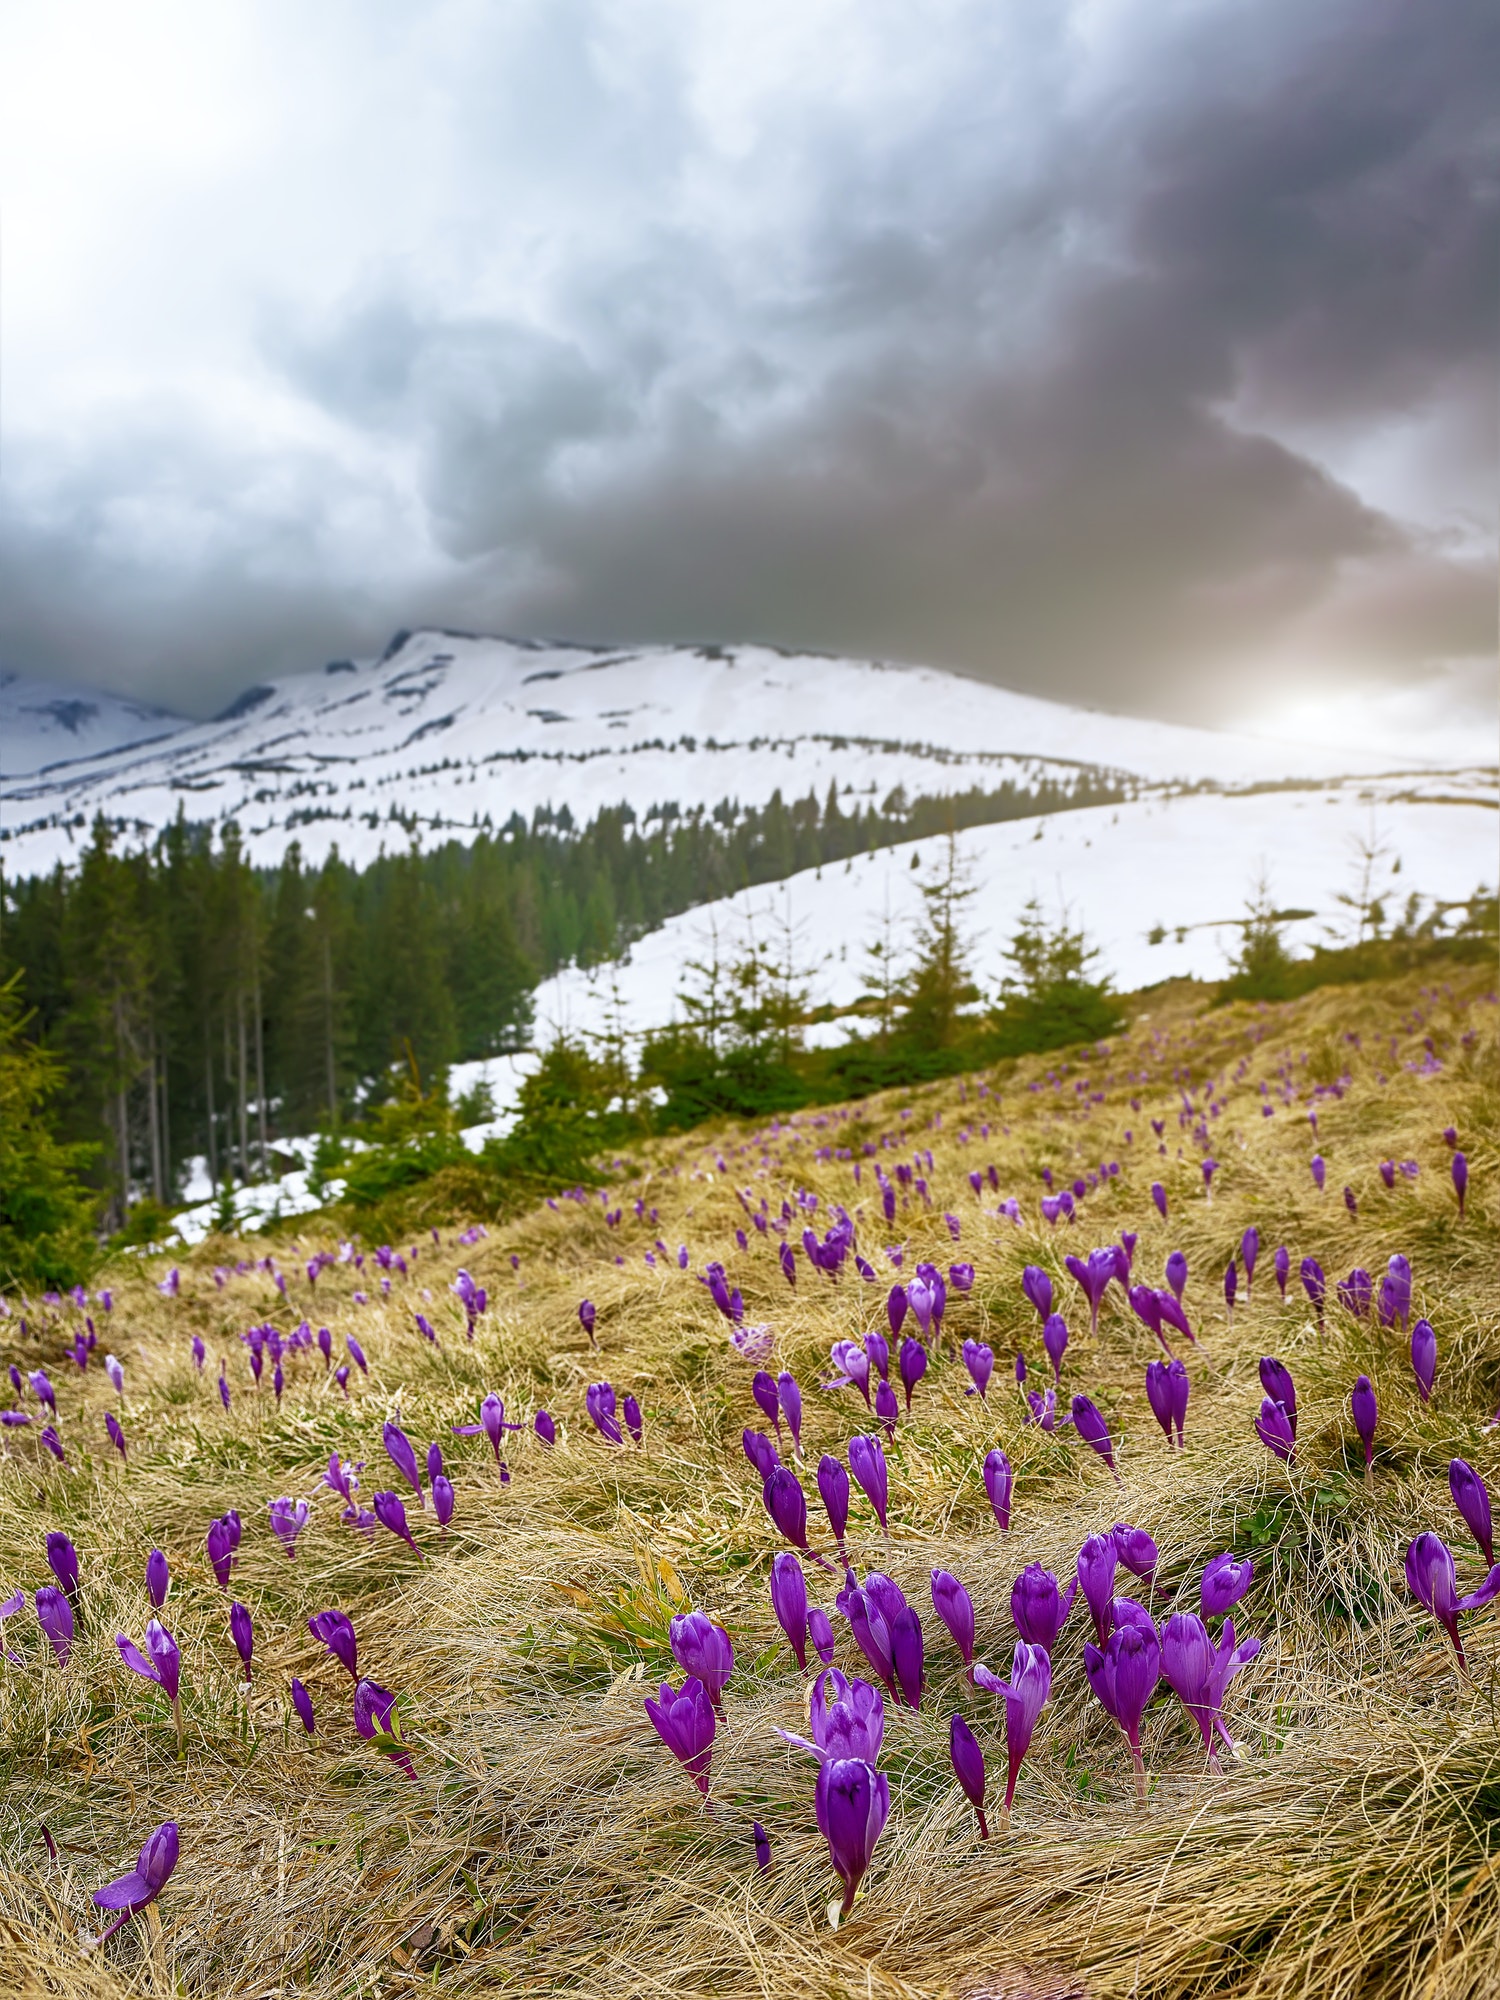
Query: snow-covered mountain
x=44, y=724
x=447, y=733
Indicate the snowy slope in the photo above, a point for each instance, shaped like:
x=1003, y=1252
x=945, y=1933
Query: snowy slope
x=1185, y=864
x=447, y=733
x=43, y=724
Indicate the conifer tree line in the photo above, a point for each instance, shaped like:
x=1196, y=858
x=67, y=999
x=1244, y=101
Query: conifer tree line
x=205, y=1007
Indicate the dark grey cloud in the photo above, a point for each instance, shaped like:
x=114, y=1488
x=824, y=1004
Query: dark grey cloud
x=1067, y=366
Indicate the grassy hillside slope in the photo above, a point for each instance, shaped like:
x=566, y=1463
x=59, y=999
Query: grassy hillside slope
x=548, y=1842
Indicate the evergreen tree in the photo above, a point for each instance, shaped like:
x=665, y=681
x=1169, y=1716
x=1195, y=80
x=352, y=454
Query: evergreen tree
x=45, y=1209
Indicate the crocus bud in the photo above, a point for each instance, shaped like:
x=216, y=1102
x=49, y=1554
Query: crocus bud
x=1177, y=1274
x=955, y=1607
x=1091, y=1427
x=62, y=1560
x=587, y=1316
x=999, y=1483
x=630, y=1410
x=1037, y=1286
x=1363, y=1407
x=1319, y=1170
x=980, y=1362
x=968, y=1767
x=1273, y=1428
x=1097, y=1561
x=820, y=1631
x=302, y=1702
x=907, y=1654
x=334, y=1630
x=544, y=1427
x=867, y=1463
x=913, y=1366
x=158, y=1578
x=760, y=1451
x=1055, y=1340
x=791, y=1406
x=1314, y=1284
x=702, y=1648
x=1282, y=1266
x=763, y=1389
x=1224, y=1582
x=55, y=1616
x=852, y=1803
x=1231, y=1283
x=789, y=1602
x=1137, y=1552
x=833, y=1489
x=1277, y=1382
x=786, y=1504
x=1460, y=1170
x=399, y=1450
x=242, y=1632
x=442, y=1498
x=1424, y=1357
x=1159, y=1196
x=1037, y=1608
x=762, y=1843
x=878, y=1353
x=1472, y=1499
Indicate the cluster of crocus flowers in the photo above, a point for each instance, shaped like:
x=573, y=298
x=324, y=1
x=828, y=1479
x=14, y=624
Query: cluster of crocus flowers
x=1276, y=1425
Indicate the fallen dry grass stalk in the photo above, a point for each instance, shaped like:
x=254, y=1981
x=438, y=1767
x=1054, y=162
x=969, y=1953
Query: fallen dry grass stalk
x=549, y=1844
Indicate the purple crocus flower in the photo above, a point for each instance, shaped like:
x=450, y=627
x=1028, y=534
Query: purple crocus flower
x=599, y=1401
x=221, y=1547
x=1424, y=1357
x=791, y=1407
x=115, y=1433
x=1277, y=1382
x=242, y=1631
x=999, y=1484
x=955, y=1607
x=1319, y=1170
x=1249, y=1251
x=398, y=1449
x=912, y=1366
x=703, y=1650
x=961, y=1277
x=980, y=1362
x=789, y=1602
x=852, y=1803
x=1395, y=1292
x=1366, y=1414
x=115, y=1373
x=544, y=1427
x=390, y=1513
x=1037, y=1286
x=1209, y=1168
x=1282, y=1265
x=1094, y=1278
x=1159, y=1196
x=820, y=1631
x=1231, y=1285
x=1092, y=1428
x=1223, y=1583
x=878, y=1354
x=758, y=1832
x=851, y=1365
x=1177, y=1274
x=1098, y=1560
x=62, y=1560
x=1200, y=1672
x=376, y=1720
x=1433, y=1580
x=968, y=1767
x=1137, y=1552
x=302, y=1702
x=587, y=1316
x=55, y=1616
x=895, y=1309
x=760, y=1451
x=1314, y=1284
x=1472, y=1499
x=334, y=1630
x=1038, y=1609
x=1167, y=1388
x=1055, y=1340
x=786, y=1504
x=356, y=1354
x=908, y=1654
x=158, y=1578
x=53, y=1443
x=1273, y=1428
x=867, y=1463
x=630, y=1411
x=866, y=1610
x=686, y=1723
x=288, y=1519
x=1124, y=1677
x=763, y=1390
x=887, y=1409
x=42, y=1389
x=443, y=1499
x=1025, y=1694
x=833, y=1489
x=161, y=1662
x=132, y=1893
x=1459, y=1168
x=1356, y=1292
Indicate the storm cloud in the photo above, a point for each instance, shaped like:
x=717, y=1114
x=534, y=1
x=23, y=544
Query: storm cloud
x=1141, y=356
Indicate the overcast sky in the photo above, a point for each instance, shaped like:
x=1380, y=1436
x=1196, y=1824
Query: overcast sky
x=1132, y=352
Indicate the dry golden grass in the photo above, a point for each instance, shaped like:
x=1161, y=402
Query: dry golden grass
x=549, y=1843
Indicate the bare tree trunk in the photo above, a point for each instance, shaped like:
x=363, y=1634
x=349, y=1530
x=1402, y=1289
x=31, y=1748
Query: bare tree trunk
x=166, y=1131
x=213, y=1137
x=260, y=1072
x=153, y=1123
x=333, y=1088
x=239, y=1002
